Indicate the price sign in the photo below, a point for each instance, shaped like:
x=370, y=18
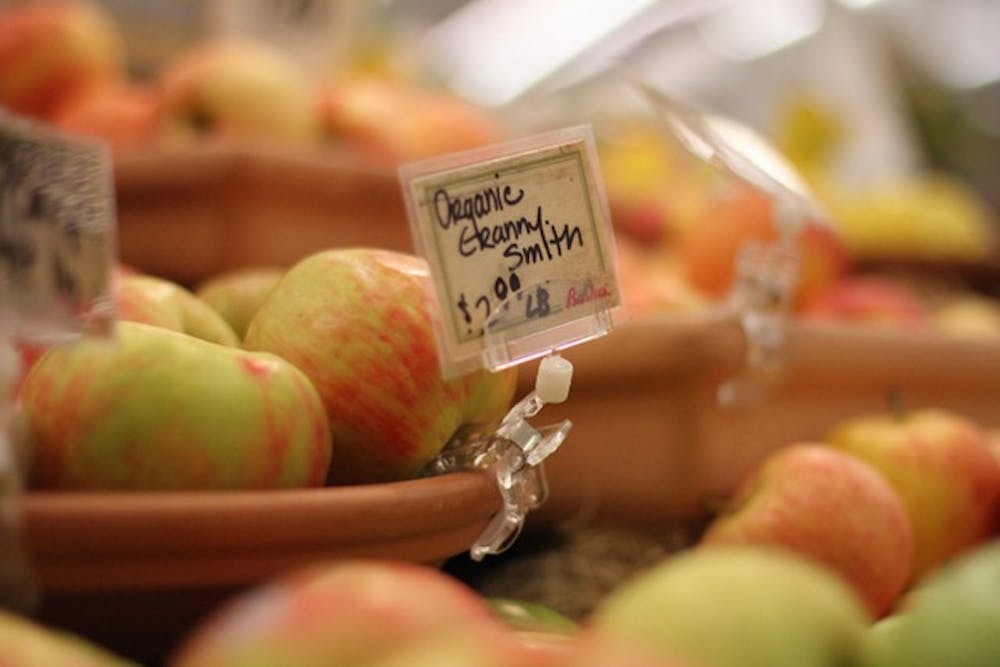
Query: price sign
x=519, y=245
x=56, y=233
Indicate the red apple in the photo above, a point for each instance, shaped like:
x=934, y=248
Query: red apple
x=868, y=300
x=348, y=614
x=358, y=323
x=51, y=51
x=709, y=246
x=236, y=90
x=941, y=465
x=394, y=120
x=830, y=507
x=158, y=409
x=25, y=643
x=124, y=115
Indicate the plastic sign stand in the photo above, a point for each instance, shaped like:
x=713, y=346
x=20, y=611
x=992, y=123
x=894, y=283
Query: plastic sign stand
x=765, y=273
x=521, y=255
x=57, y=256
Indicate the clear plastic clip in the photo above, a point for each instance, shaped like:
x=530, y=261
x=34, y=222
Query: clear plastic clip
x=766, y=277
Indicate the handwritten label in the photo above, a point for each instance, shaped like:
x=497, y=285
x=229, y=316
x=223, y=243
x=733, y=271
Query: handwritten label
x=520, y=228
x=56, y=232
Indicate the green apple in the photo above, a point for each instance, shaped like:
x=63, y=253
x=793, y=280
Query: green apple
x=158, y=409
x=237, y=295
x=828, y=506
x=951, y=618
x=739, y=606
x=152, y=300
x=348, y=614
x=941, y=465
x=25, y=643
x=358, y=322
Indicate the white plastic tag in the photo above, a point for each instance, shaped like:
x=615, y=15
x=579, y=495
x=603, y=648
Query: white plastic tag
x=520, y=248
x=57, y=245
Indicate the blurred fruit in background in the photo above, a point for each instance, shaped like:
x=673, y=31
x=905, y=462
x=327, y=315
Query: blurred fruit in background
x=869, y=300
x=709, y=247
x=53, y=51
x=24, y=643
x=124, y=114
x=393, y=119
x=236, y=90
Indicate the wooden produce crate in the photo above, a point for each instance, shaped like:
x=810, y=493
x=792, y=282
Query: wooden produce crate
x=186, y=213
x=651, y=443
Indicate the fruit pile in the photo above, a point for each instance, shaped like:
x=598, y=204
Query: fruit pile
x=680, y=227
x=335, y=379
x=63, y=62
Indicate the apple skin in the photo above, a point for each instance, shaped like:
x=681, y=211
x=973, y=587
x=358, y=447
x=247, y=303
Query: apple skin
x=158, y=409
x=390, y=119
x=235, y=90
x=806, y=498
x=51, y=51
x=708, y=247
x=969, y=316
x=868, y=300
x=357, y=321
x=951, y=618
x=166, y=304
x=347, y=613
x=738, y=606
x=124, y=115
x=25, y=643
x=941, y=466
x=238, y=294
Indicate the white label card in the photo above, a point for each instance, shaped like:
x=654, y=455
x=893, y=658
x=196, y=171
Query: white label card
x=57, y=248
x=519, y=244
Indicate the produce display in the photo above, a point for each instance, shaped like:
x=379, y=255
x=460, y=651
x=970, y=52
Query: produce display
x=874, y=542
x=220, y=91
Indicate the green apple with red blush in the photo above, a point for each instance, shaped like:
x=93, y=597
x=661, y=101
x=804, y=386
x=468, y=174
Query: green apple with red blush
x=238, y=294
x=358, y=322
x=161, y=410
x=348, y=613
x=162, y=303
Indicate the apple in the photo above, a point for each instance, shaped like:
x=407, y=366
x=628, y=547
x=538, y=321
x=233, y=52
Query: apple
x=236, y=90
x=158, y=409
x=709, y=246
x=463, y=649
x=653, y=282
x=941, y=465
x=868, y=300
x=830, y=507
x=123, y=114
x=968, y=315
x=347, y=613
x=51, y=51
x=951, y=618
x=238, y=294
x=26, y=643
x=358, y=322
x=160, y=302
x=739, y=606
x=391, y=119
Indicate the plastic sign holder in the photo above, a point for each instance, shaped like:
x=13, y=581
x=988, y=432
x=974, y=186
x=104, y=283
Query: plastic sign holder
x=521, y=255
x=766, y=274
x=57, y=256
